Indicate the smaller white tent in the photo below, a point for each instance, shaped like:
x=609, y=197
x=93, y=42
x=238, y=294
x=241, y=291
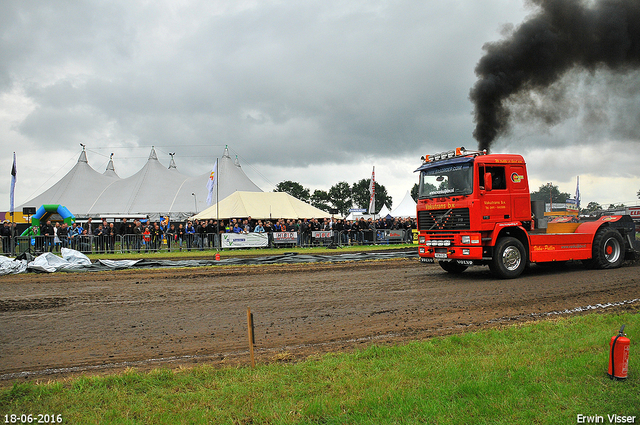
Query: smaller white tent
x=406, y=208
x=262, y=206
x=383, y=213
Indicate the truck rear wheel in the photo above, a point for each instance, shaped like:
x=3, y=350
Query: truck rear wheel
x=452, y=267
x=608, y=249
x=509, y=258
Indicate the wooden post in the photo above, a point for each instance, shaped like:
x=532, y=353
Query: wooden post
x=251, y=336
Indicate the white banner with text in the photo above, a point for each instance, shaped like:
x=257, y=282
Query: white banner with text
x=244, y=240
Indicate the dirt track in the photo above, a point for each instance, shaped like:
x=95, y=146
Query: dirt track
x=97, y=321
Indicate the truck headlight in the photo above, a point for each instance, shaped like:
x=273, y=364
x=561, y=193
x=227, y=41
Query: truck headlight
x=421, y=240
x=466, y=239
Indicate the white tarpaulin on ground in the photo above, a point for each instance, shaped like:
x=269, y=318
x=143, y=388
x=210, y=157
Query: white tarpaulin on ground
x=261, y=206
x=9, y=266
x=49, y=262
x=75, y=261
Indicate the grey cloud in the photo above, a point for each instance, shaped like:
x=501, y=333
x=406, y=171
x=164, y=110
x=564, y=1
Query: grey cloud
x=292, y=83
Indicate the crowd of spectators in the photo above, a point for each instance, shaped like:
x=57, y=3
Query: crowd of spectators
x=138, y=235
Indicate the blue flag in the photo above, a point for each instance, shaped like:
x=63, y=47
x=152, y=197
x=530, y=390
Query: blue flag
x=578, y=193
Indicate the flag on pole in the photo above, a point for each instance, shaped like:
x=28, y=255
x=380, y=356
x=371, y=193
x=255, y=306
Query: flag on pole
x=211, y=183
x=578, y=193
x=14, y=173
x=372, y=192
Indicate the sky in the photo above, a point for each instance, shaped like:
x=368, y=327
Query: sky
x=316, y=92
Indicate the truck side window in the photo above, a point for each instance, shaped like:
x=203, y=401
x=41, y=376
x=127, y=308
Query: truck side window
x=498, y=177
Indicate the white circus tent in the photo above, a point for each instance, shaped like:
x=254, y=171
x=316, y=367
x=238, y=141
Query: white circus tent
x=76, y=190
x=155, y=190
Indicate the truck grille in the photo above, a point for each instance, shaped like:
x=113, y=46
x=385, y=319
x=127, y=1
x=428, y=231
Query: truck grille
x=453, y=219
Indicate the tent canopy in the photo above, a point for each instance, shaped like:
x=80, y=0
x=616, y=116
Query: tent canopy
x=262, y=206
x=154, y=190
x=406, y=208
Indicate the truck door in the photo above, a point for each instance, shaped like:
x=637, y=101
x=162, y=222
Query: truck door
x=495, y=203
x=519, y=188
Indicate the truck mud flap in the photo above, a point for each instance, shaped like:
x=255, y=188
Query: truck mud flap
x=632, y=253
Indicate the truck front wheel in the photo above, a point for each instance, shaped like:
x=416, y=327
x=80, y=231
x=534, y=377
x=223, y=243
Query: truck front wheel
x=608, y=249
x=509, y=258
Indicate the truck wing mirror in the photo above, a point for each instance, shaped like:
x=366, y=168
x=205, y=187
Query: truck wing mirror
x=488, y=182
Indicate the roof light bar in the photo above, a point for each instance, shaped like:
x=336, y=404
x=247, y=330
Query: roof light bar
x=461, y=151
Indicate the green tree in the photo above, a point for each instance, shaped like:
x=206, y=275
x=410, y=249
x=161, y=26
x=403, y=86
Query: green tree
x=639, y=194
x=414, y=192
x=294, y=189
x=340, y=197
x=591, y=207
x=616, y=206
x=546, y=191
x=361, y=195
x=320, y=199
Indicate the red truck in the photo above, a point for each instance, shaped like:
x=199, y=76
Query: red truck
x=474, y=208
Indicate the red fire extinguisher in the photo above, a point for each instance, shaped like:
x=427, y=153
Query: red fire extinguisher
x=619, y=355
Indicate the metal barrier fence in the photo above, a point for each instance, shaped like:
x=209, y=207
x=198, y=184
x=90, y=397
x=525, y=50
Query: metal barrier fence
x=170, y=243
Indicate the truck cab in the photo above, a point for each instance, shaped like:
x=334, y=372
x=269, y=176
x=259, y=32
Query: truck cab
x=475, y=209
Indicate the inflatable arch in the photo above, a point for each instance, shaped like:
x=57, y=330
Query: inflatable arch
x=42, y=215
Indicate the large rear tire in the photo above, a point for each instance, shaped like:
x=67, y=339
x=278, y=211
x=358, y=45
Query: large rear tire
x=608, y=249
x=452, y=267
x=509, y=258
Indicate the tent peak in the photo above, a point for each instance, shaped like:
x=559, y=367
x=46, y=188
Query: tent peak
x=225, y=154
x=110, y=164
x=152, y=154
x=237, y=162
x=110, y=171
x=83, y=155
x=172, y=163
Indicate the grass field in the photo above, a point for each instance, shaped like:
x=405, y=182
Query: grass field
x=546, y=372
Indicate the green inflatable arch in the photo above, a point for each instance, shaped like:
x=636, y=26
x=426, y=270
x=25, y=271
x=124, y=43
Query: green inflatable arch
x=42, y=215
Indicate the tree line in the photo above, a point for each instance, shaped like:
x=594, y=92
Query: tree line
x=341, y=196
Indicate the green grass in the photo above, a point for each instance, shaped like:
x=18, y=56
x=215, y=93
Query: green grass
x=537, y=373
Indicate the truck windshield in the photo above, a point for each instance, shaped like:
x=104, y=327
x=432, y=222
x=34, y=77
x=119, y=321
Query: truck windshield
x=448, y=180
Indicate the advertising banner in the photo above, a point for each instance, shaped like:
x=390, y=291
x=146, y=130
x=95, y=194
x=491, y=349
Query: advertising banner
x=285, y=237
x=244, y=240
x=322, y=234
x=634, y=212
x=394, y=235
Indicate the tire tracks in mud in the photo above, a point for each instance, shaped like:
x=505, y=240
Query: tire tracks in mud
x=79, y=323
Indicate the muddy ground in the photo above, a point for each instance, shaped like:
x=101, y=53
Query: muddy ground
x=56, y=324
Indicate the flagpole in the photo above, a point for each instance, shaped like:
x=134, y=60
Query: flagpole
x=217, y=206
x=14, y=174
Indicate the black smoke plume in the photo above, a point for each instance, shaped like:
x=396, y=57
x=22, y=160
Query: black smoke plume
x=563, y=35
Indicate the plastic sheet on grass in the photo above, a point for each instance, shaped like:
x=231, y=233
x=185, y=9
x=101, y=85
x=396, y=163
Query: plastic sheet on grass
x=75, y=261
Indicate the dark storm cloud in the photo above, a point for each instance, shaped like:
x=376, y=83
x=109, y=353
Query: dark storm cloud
x=525, y=71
